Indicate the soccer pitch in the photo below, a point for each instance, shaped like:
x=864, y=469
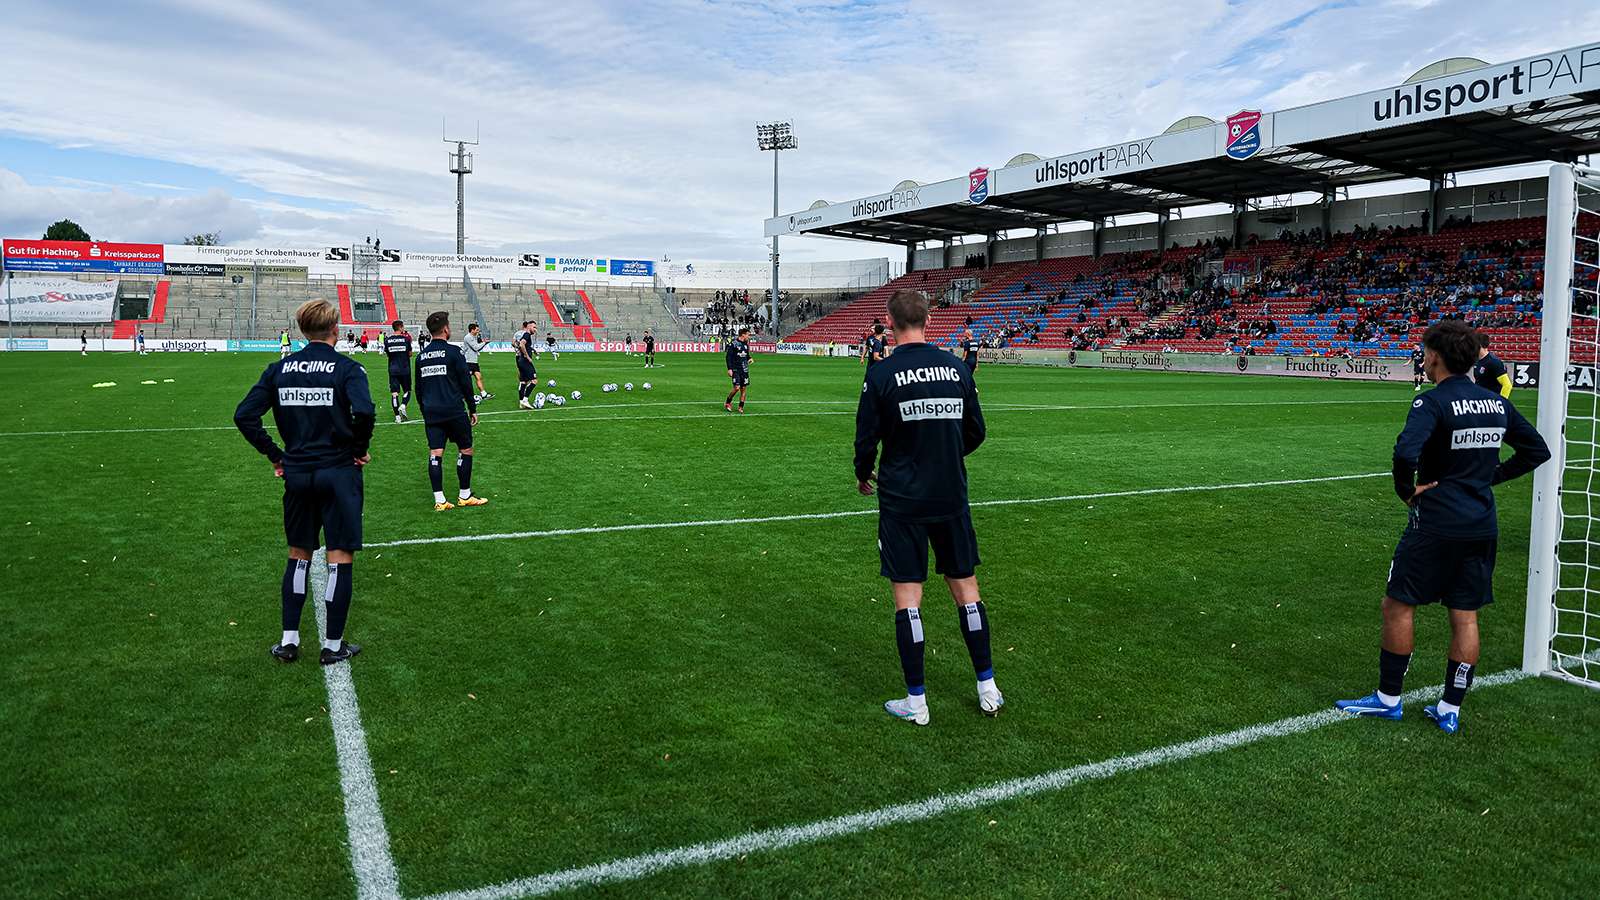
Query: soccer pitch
x=654, y=663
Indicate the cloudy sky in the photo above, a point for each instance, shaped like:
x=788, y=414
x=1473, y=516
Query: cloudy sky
x=627, y=128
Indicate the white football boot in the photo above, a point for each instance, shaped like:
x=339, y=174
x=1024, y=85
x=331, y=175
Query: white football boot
x=989, y=698
x=913, y=709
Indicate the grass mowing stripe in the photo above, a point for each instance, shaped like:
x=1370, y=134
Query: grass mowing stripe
x=565, y=417
x=645, y=865
x=376, y=878
x=841, y=514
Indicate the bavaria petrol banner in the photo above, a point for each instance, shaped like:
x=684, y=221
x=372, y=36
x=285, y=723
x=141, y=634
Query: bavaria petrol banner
x=60, y=300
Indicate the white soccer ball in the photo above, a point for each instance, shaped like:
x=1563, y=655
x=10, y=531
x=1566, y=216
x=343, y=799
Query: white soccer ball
x=550, y=383
x=577, y=395
x=558, y=400
x=538, y=401
x=628, y=386
x=646, y=385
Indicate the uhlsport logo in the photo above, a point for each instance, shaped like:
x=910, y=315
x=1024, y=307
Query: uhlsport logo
x=1244, y=133
x=978, y=185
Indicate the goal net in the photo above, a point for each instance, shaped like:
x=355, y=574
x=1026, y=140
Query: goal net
x=1562, y=636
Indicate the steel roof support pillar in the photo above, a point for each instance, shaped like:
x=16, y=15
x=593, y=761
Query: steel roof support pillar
x=1326, y=209
x=1435, y=185
x=948, y=245
x=990, y=245
x=1161, y=232
x=1038, y=244
x=1238, y=225
x=911, y=256
x=1099, y=236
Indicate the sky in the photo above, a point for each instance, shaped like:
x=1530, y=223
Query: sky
x=628, y=128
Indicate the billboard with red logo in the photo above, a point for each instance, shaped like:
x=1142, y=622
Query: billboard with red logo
x=83, y=256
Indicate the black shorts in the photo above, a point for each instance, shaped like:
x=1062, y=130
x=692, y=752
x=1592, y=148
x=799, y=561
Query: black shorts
x=326, y=501
x=399, y=379
x=903, y=548
x=1431, y=569
x=1416, y=370
x=455, y=431
x=526, y=371
x=972, y=364
x=473, y=367
x=741, y=379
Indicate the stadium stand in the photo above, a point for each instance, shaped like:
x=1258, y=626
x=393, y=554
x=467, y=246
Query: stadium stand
x=1369, y=292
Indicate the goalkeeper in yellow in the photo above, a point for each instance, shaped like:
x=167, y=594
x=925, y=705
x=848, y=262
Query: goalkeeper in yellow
x=1489, y=372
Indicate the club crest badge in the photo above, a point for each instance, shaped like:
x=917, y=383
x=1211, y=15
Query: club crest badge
x=978, y=185
x=1244, y=133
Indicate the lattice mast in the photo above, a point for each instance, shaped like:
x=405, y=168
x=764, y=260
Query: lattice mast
x=461, y=167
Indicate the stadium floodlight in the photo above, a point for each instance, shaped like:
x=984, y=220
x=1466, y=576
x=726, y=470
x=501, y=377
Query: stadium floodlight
x=775, y=136
x=1561, y=635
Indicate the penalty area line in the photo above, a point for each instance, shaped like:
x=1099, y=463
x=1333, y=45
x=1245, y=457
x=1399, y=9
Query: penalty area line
x=842, y=514
x=370, y=859
x=645, y=865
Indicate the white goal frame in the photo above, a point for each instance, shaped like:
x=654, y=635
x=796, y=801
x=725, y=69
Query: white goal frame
x=1567, y=609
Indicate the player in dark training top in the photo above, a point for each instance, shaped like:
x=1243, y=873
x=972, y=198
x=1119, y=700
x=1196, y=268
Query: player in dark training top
x=737, y=357
x=921, y=406
x=877, y=347
x=649, y=349
x=397, y=346
x=1417, y=374
x=1446, y=462
x=444, y=391
x=1490, y=373
x=527, y=375
x=322, y=406
x=969, y=351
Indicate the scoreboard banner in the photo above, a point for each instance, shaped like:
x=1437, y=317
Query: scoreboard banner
x=59, y=300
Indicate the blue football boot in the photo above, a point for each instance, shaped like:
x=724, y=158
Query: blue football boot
x=1369, y=706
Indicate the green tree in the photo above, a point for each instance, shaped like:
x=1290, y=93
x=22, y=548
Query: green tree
x=205, y=239
x=66, y=230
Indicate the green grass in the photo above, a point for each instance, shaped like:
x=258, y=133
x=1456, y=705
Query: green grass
x=537, y=704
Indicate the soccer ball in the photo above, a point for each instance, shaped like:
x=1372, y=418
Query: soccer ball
x=646, y=385
x=538, y=401
x=558, y=400
x=628, y=386
x=605, y=388
x=577, y=395
x=550, y=383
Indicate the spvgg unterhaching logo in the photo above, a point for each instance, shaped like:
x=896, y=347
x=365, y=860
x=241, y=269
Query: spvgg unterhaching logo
x=898, y=200
x=1544, y=73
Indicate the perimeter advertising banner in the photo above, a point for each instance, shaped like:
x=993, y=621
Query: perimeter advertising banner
x=1358, y=369
x=82, y=256
x=60, y=300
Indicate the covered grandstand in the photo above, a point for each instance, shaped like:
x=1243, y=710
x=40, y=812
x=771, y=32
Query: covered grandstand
x=1244, y=235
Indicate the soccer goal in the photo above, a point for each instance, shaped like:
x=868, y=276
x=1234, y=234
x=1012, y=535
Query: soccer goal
x=1562, y=636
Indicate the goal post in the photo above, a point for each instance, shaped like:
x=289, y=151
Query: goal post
x=1561, y=637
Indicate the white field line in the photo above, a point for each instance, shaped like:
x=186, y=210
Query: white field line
x=642, y=866
x=557, y=416
x=376, y=878
x=804, y=517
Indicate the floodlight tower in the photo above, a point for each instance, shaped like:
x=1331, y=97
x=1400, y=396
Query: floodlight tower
x=461, y=167
x=775, y=137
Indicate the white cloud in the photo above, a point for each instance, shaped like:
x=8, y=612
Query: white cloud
x=115, y=214
x=627, y=127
